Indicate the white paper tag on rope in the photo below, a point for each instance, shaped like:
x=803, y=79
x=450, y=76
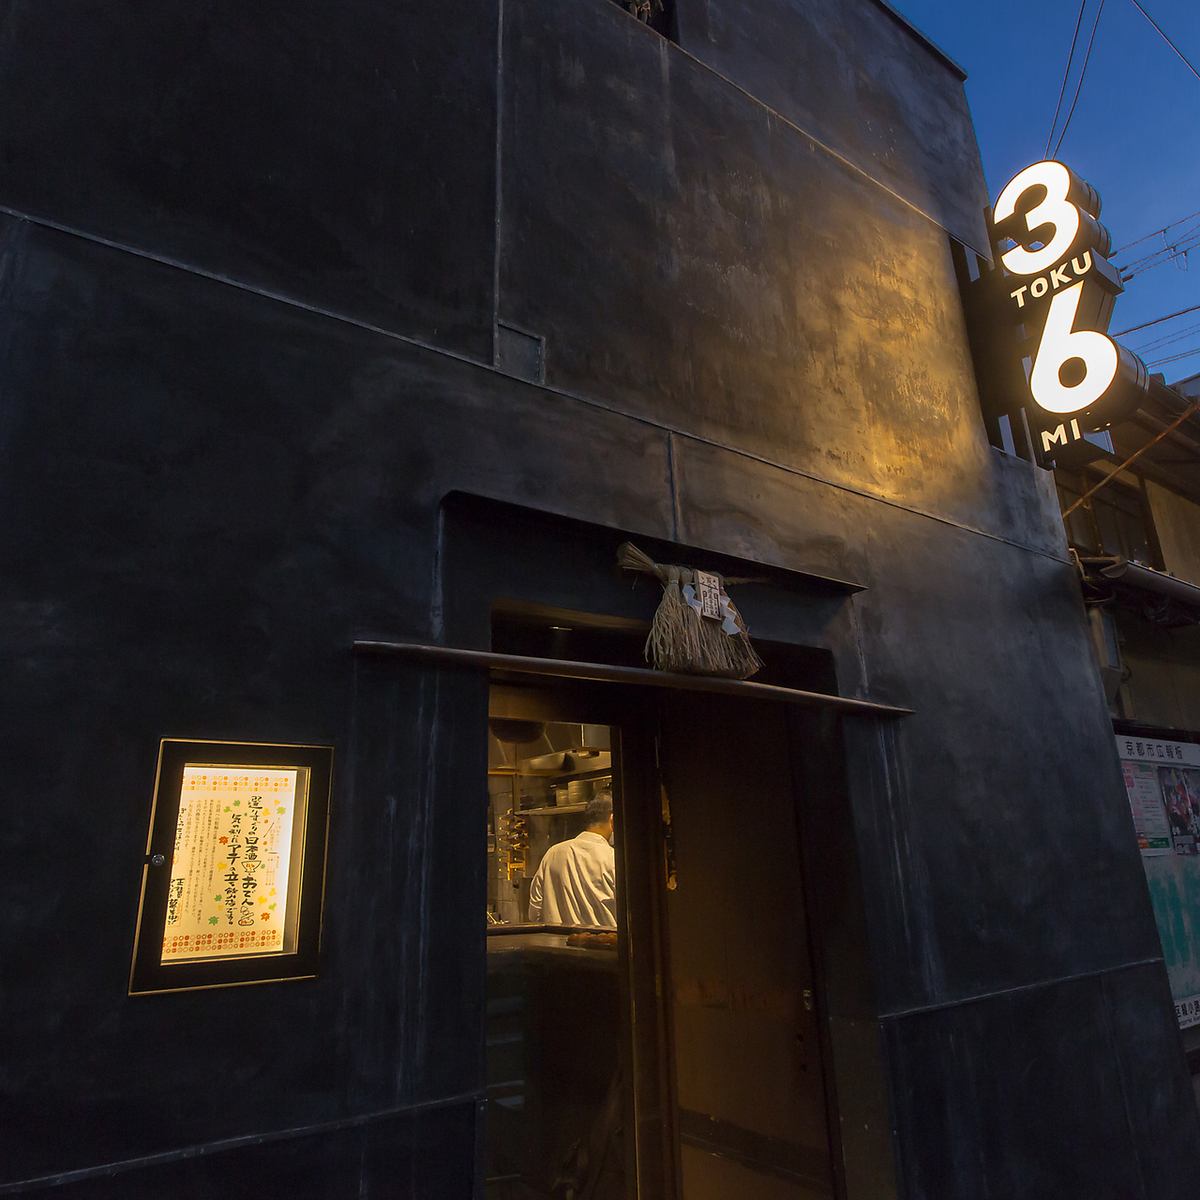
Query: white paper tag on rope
x=730, y=623
x=709, y=588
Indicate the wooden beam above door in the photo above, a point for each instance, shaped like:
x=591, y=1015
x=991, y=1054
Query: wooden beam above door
x=561, y=668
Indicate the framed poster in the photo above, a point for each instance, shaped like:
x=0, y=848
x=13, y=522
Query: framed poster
x=232, y=885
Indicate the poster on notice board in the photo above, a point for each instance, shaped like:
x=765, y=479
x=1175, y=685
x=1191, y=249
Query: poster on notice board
x=1162, y=782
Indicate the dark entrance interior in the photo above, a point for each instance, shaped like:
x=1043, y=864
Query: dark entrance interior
x=750, y=1105
x=679, y=1055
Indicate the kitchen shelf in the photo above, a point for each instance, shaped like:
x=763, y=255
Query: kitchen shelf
x=548, y=810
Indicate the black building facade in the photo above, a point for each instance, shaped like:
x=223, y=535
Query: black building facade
x=388, y=323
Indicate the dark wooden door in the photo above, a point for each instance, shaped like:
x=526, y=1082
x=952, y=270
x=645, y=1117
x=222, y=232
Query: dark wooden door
x=750, y=1101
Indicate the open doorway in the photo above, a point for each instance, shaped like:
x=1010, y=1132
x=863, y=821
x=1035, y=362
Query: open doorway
x=749, y=1104
x=676, y=1052
x=557, y=1054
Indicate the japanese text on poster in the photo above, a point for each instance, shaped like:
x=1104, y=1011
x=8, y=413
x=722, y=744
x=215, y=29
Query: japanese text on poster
x=1162, y=781
x=1187, y=1012
x=232, y=863
x=1145, y=799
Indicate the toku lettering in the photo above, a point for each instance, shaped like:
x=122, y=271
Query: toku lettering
x=1059, y=277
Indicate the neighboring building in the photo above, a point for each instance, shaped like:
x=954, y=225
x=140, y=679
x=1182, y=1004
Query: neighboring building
x=1138, y=542
x=341, y=337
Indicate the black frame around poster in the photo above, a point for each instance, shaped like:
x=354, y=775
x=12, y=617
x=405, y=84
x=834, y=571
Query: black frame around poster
x=148, y=973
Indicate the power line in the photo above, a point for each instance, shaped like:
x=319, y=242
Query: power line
x=1157, y=321
x=1167, y=339
x=1158, y=29
x=1162, y=362
x=1168, y=353
x=1147, y=236
x=1062, y=91
x=1176, y=250
x=1155, y=364
x=1079, y=84
x=1165, y=248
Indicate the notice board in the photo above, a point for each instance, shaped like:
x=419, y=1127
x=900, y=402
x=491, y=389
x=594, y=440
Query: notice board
x=1162, y=781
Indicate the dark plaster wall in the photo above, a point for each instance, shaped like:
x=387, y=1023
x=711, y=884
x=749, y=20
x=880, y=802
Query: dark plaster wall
x=752, y=289
x=206, y=494
x=861, y=82
x=339, y=155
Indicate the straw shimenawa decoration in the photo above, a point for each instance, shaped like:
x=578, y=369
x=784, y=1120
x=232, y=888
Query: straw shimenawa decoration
x=680, y=638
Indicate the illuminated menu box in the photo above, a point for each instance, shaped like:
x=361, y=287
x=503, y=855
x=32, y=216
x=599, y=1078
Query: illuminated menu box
x=233, y=877
x=231, y=866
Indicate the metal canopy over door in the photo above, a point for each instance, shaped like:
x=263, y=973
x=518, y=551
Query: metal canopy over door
x=751, y=1104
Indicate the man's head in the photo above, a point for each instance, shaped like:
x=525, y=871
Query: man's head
x=598, y=816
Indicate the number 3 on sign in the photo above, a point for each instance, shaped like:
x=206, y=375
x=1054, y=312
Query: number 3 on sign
x=1061, y=343
x=1056, y=210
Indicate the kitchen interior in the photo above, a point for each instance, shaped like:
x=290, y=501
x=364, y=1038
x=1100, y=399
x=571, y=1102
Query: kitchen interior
x=541, y=775
x=554, y=1084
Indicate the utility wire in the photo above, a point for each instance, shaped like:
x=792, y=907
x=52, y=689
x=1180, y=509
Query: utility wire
x=1167, y=339
x=1158, y=437
x=1162, y=362
x=1062, y=91
x=1180, y=252
x=1147, y=236
x=1167, y=248
x=1079, y=83
x=1157, y=321
x=1158, y=29
x=1172, y=253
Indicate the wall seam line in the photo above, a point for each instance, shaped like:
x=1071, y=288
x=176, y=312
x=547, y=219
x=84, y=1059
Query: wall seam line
x=979, y=997
x=498, y=198
x=219, y=1146
x=552, y=389
x=816, y=141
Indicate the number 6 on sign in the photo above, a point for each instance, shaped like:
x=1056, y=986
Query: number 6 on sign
x=1061, y=343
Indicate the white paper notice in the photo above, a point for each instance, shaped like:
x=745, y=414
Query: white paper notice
x=1149, y=815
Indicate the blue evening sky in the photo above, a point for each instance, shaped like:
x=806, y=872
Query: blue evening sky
x=1135, y=135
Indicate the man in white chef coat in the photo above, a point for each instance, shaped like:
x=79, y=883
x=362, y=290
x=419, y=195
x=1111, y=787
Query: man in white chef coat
x=576, y=882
